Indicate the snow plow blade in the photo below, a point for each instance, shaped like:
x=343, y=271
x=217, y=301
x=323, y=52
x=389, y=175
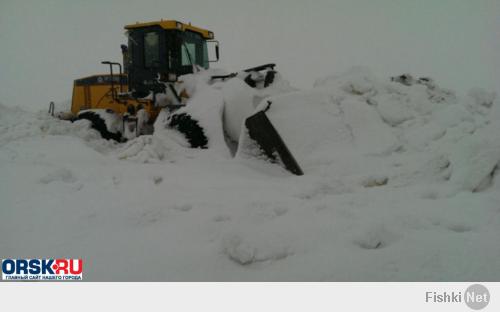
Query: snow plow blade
x=261, y=130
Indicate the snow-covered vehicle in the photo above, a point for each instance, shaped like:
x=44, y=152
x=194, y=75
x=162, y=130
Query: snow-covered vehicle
x=166, y=83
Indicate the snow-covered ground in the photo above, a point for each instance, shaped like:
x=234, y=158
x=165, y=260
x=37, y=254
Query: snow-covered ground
x=400, y=184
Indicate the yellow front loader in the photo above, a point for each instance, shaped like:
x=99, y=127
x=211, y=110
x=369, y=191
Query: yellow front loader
x=124, y=103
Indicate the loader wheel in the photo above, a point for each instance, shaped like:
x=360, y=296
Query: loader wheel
x=99, y=125
x=269, y=78
x=252, y=83
x=193, y=132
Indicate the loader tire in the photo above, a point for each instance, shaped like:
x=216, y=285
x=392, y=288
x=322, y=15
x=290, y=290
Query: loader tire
x=98, y=124
x=269, y=78
x=190, y=128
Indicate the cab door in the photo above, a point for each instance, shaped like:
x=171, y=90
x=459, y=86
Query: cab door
x=145, y=48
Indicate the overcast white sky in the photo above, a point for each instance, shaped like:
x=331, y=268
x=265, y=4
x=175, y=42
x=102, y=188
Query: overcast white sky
x=46, y=44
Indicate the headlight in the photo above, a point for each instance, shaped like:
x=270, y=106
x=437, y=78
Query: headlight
x=178, y=25
x=210, y=35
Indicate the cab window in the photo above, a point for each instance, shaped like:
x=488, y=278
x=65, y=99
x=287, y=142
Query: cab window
x=194, y=50
x=151, y=49
x=188, y=54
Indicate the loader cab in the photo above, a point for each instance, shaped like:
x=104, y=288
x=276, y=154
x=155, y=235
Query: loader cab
x=164, y=50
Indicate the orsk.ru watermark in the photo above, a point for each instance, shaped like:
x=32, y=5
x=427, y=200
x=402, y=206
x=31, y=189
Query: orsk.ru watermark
x=62, y=269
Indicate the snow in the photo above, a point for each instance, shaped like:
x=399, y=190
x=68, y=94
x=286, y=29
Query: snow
x=238, y=105
x=475, y=161
x=401, y=184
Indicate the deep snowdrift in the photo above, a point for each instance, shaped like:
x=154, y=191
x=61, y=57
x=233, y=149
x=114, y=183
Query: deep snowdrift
x=400, y=185
x=356, y=124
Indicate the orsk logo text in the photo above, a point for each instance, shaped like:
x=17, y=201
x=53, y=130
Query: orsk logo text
x=42, y=269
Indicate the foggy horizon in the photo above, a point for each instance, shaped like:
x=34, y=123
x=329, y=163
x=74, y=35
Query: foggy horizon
x=48, y=44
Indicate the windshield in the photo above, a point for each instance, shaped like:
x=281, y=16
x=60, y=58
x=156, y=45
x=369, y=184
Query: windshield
x=194, y=50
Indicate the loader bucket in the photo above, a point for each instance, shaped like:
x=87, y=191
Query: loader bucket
x=261, y=130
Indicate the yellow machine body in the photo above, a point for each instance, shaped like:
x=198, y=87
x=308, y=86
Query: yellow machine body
x=158, y=53
x=104, y=91
x=98, y=92
x=171, y=25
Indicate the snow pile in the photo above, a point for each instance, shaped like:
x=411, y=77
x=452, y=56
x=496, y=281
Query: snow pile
x=144, y=149
x=475, y=159
x=252, y=246
x=16, y=124
x=356, y=124
x=401, y=184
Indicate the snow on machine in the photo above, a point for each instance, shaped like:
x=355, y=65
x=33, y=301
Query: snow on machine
x=165, y=82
